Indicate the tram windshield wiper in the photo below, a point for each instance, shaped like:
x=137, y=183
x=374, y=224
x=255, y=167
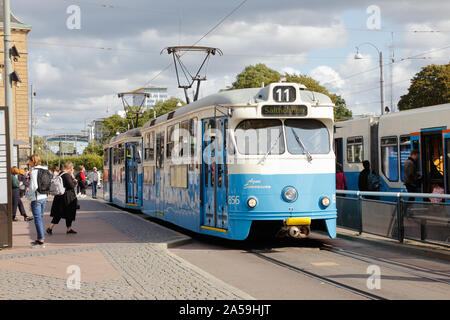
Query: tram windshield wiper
x=302, y=145
x=271, y=148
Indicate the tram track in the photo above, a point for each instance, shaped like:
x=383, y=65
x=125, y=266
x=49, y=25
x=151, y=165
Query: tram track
x=393, y=265
x=316, y=276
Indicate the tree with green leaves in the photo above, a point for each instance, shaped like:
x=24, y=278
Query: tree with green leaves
x=94, y=148
x=168, y=106
x=430, y=86
x=254, y=76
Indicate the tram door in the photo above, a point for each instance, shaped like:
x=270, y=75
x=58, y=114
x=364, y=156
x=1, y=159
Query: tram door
x=159, y=174
x=132, y=180
x=214, y=173
x=431, y=144
x=338, y=151
x=446, y=159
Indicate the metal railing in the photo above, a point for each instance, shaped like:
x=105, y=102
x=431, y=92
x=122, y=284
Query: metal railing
x=392, y=215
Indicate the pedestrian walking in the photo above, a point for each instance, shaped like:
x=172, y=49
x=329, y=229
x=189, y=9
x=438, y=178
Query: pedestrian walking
x=94, y=177
x=65, y=206
x=341, y=180
x=39, y=182
x=81, y=178
x=411, y=172
x=16, y=198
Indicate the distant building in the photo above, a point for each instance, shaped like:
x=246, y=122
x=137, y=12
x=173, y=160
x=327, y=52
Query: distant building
x=157, y=94
x=21, y=118
x=67, y=144
x=96, y=132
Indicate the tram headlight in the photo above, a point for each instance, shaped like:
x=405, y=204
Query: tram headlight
x=289, y=194
x=252, y=202
x=325, y=201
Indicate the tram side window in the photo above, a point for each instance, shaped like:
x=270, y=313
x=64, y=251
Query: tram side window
x=184, y=139
x=193, y=136
x=355, y=150
x=160, y=151
x=170, y=141
x=405, y=149
x=149, y=152
x=389, y=158
x=106, y=157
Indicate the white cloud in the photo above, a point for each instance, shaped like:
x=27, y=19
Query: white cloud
x=327, y=76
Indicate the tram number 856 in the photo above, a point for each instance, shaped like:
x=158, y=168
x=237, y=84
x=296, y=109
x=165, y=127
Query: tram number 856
x=233, y=200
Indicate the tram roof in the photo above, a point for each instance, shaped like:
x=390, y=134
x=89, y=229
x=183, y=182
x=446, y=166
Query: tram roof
x=241, y=97
x=129, y=134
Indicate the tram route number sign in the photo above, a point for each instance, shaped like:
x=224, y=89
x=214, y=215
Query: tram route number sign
x=284, y=110
x=284, y=94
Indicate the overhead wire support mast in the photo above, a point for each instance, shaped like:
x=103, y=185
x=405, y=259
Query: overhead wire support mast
x=132, y=111
x=177, y=52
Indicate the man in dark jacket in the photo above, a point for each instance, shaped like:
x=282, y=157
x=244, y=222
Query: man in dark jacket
x=411, y=172
x=363, y=179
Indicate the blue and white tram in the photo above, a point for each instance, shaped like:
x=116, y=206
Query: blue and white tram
x=237, y=160
x=386, y=142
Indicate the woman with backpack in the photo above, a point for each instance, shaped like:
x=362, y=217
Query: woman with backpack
x=39, y=185
x=65, y=206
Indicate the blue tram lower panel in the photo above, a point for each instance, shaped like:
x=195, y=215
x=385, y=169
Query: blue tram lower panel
x=267, y=189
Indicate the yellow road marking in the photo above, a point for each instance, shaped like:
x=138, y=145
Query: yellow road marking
x=324, y=264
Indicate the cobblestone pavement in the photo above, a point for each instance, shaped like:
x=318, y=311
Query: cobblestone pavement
x=147, y=269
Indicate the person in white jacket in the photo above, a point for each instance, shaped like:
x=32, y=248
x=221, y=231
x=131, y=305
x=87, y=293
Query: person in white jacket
x=38, y=200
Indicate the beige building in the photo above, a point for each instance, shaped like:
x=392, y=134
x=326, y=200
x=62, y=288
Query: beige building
x=21, y=129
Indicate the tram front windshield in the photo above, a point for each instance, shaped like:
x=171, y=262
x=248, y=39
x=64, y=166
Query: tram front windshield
x=260, y=137
x=307, y=136
x=266, y=137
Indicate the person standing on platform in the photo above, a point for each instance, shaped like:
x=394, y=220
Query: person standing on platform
x=81, y=178
x=38, y=200
x=411, y=172
x=363, y=179
x=24, y=184
x=341, y=180
x=16, y=198
x=55, y=170
x=65, y=206
x=94, y=178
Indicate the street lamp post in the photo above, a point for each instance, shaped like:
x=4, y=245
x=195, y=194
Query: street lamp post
x=380, y=55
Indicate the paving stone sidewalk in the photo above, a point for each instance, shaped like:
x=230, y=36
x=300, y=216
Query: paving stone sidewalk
x=120, y=256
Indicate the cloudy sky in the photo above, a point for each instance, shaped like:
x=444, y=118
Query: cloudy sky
x=77, y=73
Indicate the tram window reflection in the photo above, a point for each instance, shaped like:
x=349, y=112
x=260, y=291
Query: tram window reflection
x=307, y=135
x=355, y=150
x=259, y=137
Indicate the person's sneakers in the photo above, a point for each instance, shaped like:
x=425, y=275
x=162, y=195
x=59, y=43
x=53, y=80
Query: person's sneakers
x=72, y=232
x=49, y=231
x=28, y=218
x=37, y=244
x=15, y=219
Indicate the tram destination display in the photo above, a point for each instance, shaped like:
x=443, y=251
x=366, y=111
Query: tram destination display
x=284, y=110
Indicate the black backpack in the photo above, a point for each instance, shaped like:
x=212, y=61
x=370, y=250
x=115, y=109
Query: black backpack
x=44, y=180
